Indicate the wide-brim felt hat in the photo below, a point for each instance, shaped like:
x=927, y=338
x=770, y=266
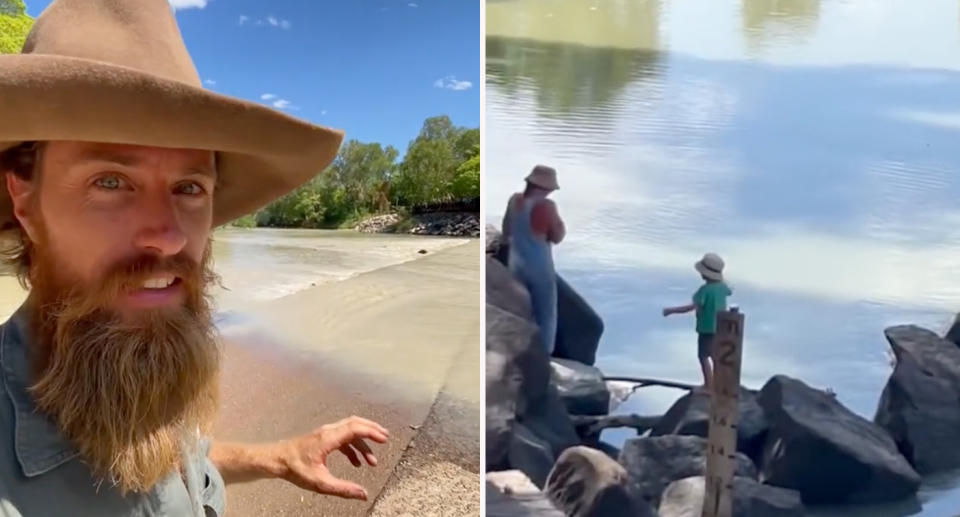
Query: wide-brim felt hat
x=544, y=177
x=117, y=71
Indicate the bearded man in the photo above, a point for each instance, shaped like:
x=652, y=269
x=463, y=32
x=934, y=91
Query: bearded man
x=117, y=165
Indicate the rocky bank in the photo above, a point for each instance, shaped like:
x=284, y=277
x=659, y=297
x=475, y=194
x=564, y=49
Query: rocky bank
x=798, y=446
x=449, y=224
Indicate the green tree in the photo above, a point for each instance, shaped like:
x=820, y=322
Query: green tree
x=362, y=168
x=467, y=144
x=14, y=26
x=426, y=172
x=438, y=128
x=466, y=183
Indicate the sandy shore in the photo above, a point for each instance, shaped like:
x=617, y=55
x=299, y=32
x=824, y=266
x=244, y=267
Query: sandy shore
x=400, y=345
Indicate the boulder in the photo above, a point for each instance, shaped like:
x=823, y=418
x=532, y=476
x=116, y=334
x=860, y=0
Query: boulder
x=505, y=292
x=587, y=483
x=953, y=335
x=526, y=419
x=579, y=327
x=684, y=498
x=511, y=374
x=655, y=462
x=690, y=414
x=609, y=449
x=581, y=387
x=493, y=239
x=829, y=454
x=530, y=454
x=512, y=494
x=919, y=404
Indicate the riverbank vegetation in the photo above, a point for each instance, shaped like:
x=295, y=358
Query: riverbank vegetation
x=442, y=164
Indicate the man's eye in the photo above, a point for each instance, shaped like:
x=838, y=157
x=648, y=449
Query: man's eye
x=108, y=182
x=191, y=189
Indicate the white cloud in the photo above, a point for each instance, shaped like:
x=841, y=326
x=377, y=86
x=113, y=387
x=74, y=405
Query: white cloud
x=411, y=4
x=284, y=104
x=188, y=4
x=324, y=112
x=210, y=82
x=271, y=20
x=451, y=83
x=268, y=96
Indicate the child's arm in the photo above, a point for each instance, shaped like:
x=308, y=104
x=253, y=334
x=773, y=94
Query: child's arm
x=682, y=309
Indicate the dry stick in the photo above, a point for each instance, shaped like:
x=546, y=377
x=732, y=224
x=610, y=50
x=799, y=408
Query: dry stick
x=724, y=406
x=644, y=382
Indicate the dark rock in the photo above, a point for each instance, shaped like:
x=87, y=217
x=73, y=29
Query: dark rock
x=530, y=454
x=589, y=427
x=920, y=405
x=505, y=292
x=581, y=387
x=610, y=450
x=579, y=327
x=690, y=414
x=548, y=418
x=655, y=462
x=684, y=498
x=585, y=482
x=515, y=366
x=422, y=252
x=494, y=239
x=829, y=454
x=517, y=380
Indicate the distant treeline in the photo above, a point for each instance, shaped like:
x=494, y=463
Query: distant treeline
x=442, y=166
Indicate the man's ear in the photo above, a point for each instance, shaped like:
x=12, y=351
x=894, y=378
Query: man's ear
x=21, y=193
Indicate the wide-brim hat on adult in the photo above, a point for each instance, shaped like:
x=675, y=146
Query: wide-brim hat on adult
x=711, y=267
x=543, y=177
x=117, y=71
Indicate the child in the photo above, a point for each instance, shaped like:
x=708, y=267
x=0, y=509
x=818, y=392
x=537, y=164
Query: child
x=710, y=299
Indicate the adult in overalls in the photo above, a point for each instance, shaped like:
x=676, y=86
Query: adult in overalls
x=532, y=225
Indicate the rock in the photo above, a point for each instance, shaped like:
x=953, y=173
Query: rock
x=581, y=387
x=690, y=414
x=579, y=327
x=587, y=483
x=610, y=450
x=422, y=252
x=655, y=462
x=494, y=239
x=919, y=404
x=512, y=494
x=517, y=380
x=515, y=369
x=684, y=498
x=829, y=454
x=505, y=292
x=530, y=454
x=953, y=335
x=589, y=427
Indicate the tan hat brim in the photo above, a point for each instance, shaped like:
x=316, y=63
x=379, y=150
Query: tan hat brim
x=703, y=270
x=542, y=184
x=262, y=153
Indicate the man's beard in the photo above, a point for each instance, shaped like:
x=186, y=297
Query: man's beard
x=129, y=391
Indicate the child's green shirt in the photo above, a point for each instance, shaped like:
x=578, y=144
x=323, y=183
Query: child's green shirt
x=710, y=299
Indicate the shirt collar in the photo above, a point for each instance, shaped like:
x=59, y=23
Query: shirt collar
x=38, y=445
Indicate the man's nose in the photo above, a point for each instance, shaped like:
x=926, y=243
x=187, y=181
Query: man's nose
x=160, y=230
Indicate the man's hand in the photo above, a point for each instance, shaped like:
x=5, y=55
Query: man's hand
x=305, y=457
x=667, y=311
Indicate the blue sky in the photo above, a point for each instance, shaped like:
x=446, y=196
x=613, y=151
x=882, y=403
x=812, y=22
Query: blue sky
x=374, y=68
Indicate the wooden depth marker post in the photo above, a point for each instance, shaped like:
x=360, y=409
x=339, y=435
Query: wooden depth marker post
x=724, y=408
